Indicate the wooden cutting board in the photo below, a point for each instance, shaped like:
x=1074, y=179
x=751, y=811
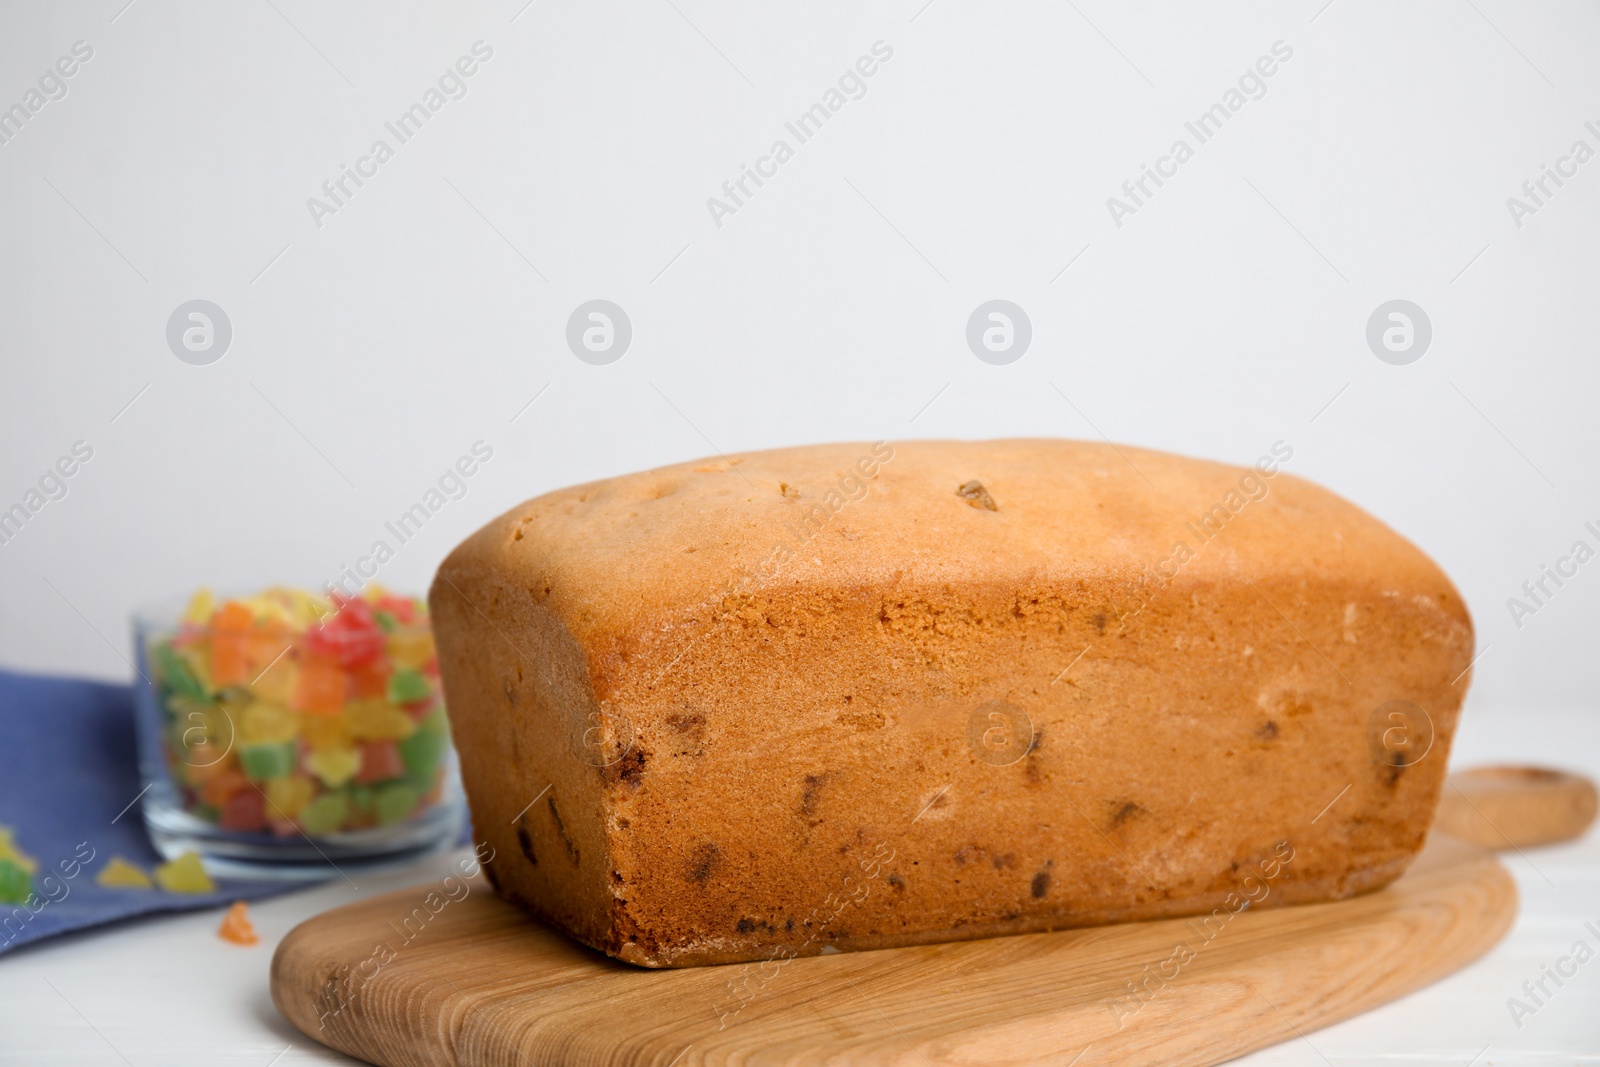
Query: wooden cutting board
x=481, y=983
x=1515, y=807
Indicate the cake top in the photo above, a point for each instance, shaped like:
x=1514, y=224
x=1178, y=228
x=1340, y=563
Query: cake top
x=648, y=553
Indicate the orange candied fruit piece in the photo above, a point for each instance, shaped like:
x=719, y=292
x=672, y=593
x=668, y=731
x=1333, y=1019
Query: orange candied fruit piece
x=236, y=926
x=322, y=686
x=370, y=680
x=219, y=787
x=230, y=644
x=380, y=760
x=268, y=644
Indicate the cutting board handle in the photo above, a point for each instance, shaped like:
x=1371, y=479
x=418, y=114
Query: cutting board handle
x=1511, y=806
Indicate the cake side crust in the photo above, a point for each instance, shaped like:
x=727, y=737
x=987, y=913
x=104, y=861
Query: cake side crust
x=889, y=796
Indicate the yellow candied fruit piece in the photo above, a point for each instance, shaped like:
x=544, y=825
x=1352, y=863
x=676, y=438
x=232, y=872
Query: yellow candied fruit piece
x=374, y=592
x=263, y=723
x=411, y=648
x=294, y=608
x=185, y=875
x=120, y=874
x=201, y=606
x=335, y=765
x=287, y=797
x=265, y=608
x=269, y=603
x=10, y=851
x=276, y=684
x=234, y=699
x=325, y=731
x=308, y=608
x=378, y=720
x=197, y=657
x=223, y=716
x=201, y=730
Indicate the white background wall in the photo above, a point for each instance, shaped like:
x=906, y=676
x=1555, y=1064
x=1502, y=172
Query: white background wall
x=425, y=314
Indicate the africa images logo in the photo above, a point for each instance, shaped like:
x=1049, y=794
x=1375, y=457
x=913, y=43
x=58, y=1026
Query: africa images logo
x=852, y=85
x=1252, y=85
x=199, y=332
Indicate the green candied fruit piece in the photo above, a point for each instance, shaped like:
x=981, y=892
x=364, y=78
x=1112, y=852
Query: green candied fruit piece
x=406, y=686
x=176, y=673
x=208, y=812
x=267, y=760
x=15, y=884
x=186, y=711
x=362, y=799
x=198, y=731
x=422, y=751
x=394, y=802
x=325, y=814
x=423, y=783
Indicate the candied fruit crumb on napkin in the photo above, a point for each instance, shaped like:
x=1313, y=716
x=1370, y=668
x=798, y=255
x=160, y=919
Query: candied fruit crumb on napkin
x=119, y=873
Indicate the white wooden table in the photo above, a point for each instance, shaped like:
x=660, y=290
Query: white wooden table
x=168, y=991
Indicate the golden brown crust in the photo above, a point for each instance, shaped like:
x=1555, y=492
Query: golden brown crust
x=763, y=692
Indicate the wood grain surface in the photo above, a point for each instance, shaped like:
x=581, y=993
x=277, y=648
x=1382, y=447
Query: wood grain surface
x=479, y=982
x=1515, y=806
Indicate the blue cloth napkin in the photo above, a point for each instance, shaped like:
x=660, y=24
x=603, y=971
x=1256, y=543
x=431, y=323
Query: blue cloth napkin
x=69, y=777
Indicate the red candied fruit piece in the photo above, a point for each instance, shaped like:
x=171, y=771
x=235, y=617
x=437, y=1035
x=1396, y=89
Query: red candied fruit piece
x=380, y=760
x=352, y=636
x=421, y=709
x=244, y=810
x=402, y=608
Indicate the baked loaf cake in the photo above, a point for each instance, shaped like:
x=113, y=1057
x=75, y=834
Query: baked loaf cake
x=857, y=696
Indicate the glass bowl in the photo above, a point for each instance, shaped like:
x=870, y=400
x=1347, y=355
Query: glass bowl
x=291, y=736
